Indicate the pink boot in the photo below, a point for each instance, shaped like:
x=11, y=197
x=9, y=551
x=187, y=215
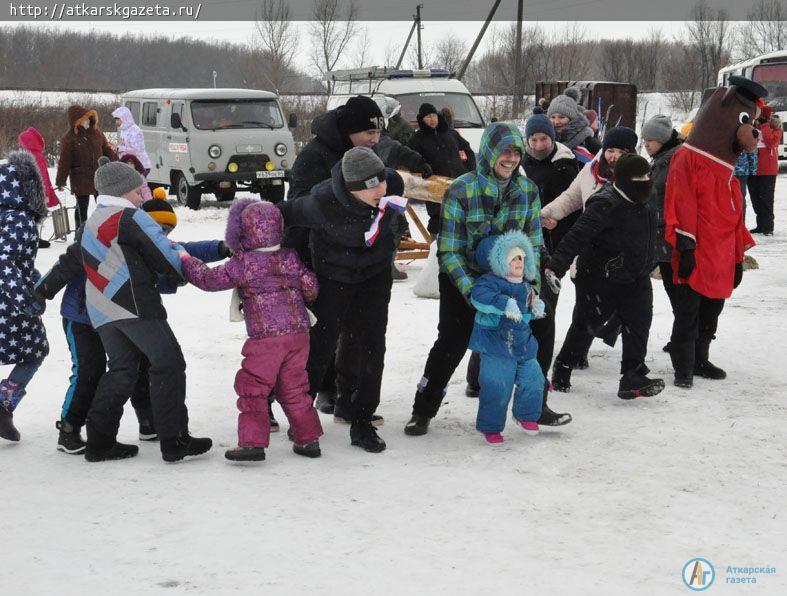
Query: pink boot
x=493, y=438
x=529, y=426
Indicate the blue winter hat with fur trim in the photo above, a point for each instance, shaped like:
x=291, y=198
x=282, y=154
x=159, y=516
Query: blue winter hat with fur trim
x=491, y=253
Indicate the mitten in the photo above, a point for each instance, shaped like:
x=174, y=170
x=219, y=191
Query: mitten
x=738, y=275
x=553, y=281
x=34, y=307
x=538, y=308
x=686, y=263
x=426, y=170
x=512, y=310
x=224, y=250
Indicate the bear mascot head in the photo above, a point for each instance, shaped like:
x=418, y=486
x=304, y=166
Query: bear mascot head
x=724, y=125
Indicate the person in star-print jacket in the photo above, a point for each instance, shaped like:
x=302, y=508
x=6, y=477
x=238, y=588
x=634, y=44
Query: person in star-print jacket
x=22, y=335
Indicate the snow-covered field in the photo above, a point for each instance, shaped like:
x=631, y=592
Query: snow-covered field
x=614, y=503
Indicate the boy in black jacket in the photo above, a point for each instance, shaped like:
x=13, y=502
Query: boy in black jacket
x=615, y=239
x=353, y=267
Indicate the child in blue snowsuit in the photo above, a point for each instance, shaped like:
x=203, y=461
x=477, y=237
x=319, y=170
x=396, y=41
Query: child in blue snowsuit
x=88, y=357
x=506, y=302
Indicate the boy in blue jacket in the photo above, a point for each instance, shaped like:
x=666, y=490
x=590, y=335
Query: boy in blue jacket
x=88, y=358
x=505, y=301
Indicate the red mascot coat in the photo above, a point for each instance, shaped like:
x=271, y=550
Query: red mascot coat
x=703, y=201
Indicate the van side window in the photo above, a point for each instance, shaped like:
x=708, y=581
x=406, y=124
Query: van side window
x=149, y=109
x=133, y=107
x=177, y=108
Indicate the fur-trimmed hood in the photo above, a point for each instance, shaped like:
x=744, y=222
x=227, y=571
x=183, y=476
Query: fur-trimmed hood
x=21, y=186
x=492, y=250
x=77, y=114
x=253, y=224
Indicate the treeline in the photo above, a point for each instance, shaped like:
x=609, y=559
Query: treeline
x=44, y=58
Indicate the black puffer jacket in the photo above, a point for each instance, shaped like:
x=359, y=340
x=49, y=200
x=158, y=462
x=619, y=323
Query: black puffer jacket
x=338, y=222
x=659, y=169
x=314, y=162
x=614, y=238
x=553, y=175
x=440, y=147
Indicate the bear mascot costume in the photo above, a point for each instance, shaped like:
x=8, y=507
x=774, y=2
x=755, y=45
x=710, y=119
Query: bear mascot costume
x=703, y=210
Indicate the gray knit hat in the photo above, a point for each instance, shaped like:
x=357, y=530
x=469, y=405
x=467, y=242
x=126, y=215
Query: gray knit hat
x=658, y=128
x=565, y=104
x=115, y=179
x=362, y=169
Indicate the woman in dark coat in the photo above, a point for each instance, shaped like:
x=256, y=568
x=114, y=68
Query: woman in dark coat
x=80, y=148
x=22, y=334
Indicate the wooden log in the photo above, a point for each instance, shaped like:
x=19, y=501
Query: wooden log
x=431, y=189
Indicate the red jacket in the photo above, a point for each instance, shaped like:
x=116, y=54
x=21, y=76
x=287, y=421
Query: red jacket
x=768, y=150
x=32, y=140
x=702, y=203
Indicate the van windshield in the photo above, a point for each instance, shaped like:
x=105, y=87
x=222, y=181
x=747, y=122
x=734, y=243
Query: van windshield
x=246, y=113
x=466, y=114
x=774, y=78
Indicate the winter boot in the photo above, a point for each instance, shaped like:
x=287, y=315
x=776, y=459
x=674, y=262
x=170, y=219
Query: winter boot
x=417, y=426
x=702, y=366
x=529, y=426
x=561, y=377
x=102, y=447
x=342, y=413
x=582, y=363
x=550, y=418
x=245, y=454
x=364, y=435
x=147, y=430
x=325, y=402
x=634, y=383
x=69, y=440
x=310, y=449
x=43, y=243
x=183, y=445
x=493, y=438
x=10, y=396
x=472, y=390
x=682, y=356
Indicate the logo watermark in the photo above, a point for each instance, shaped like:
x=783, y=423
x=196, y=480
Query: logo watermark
x=698, y=574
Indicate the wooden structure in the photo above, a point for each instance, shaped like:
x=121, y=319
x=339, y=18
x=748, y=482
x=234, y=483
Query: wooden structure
x=616, y=103
x=431, y=189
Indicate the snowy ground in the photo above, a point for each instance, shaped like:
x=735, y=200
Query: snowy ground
x=614, y=503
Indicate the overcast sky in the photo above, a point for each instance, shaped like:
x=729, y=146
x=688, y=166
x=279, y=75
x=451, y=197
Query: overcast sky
x=383, y=34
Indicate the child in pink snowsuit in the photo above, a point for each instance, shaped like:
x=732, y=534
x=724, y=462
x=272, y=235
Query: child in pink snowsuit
x=272, y=286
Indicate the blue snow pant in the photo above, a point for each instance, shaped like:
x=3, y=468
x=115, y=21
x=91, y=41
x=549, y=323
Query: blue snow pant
x=499, y=378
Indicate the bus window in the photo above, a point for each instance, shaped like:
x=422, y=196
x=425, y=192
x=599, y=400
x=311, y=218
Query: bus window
x=774, y=78
x=133, y=107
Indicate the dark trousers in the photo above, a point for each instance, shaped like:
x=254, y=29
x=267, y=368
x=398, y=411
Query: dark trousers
x=743, y=182
x=359, y=313
x=597, y=300
x=761, y=191
x=80, y=215
x=126, y=343
x=454, y=327
x=669, y=286
x=433, y=210
x=696, y=321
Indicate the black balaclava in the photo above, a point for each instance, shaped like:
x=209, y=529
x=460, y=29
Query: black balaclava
x=631, y=166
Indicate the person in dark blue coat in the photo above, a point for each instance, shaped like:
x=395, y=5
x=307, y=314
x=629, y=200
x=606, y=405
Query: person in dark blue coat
x=88, y=358
x=505, y=301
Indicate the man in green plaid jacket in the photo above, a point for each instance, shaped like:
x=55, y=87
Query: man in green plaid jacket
x=493, y=199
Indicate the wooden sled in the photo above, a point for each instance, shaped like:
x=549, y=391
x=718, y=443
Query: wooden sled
x=432, y=189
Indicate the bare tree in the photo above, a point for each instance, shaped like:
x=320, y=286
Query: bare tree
x=569, y=57
x=709, y=34
x=391, y=54
x=450, y=53
x=765, y=29
x=362, y=51
x=334, y=26
x=275, y=36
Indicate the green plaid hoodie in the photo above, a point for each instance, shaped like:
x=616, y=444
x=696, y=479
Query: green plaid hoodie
x=474, y=208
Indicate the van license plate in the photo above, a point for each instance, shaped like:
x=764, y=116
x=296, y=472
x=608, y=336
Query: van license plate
x=272, y=174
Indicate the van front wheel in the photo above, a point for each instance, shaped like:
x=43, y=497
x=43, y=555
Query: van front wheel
x=190, y=196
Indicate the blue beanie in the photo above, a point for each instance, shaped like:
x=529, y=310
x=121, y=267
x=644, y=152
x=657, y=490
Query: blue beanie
x=620, y=137
x=539, y=122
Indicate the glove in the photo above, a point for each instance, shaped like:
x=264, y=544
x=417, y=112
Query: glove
x=553, y=281
x=34, y=307
x=224, y=250
x=686, y=263
x=738, y=275
x=426, y=170
x=538, y=308
x=512, y=310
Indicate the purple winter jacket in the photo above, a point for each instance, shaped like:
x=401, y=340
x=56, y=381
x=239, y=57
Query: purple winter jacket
x=273, y=288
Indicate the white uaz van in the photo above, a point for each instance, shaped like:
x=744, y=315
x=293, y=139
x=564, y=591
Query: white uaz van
x=214, y=141
x=411, y=88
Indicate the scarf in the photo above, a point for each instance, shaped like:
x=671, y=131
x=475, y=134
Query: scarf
x=398, y=204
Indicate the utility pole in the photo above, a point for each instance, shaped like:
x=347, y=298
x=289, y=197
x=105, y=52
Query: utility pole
x=516, y=103
x=477, y=40
x=406, y=44
x=418, y=26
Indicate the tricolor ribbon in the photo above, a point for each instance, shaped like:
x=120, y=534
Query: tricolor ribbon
x=398, y=204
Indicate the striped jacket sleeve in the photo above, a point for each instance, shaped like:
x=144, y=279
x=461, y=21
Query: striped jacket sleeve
x=156, y=249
